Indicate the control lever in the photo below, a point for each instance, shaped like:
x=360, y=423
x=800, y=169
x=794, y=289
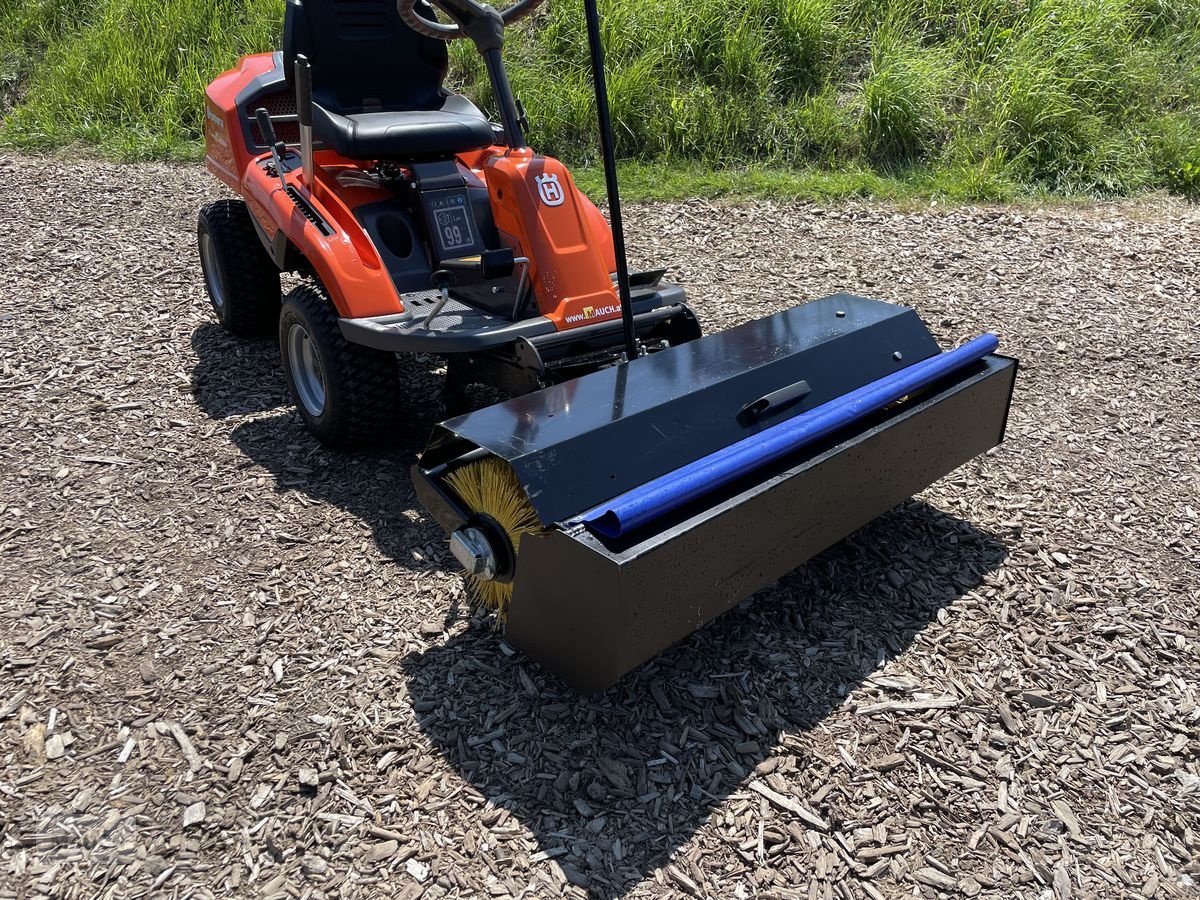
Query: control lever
x=304, y=113
x=441, y=279
x=278, y=147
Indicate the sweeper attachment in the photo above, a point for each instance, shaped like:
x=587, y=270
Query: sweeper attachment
x=643, y=479
x=608, y=517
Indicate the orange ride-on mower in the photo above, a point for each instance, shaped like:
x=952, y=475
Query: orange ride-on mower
x=423, y=227
x=642, y=479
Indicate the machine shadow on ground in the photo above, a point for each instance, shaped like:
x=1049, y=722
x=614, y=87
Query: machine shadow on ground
x=612, y=784
x=234, y=377
x=239, y=377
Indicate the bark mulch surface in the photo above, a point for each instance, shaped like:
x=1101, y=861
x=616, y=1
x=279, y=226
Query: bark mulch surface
x=233, y=663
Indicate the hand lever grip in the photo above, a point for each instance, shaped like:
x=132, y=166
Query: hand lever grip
x=265, y=126
x=304, y=99
x=278, y=148
x=774, y=402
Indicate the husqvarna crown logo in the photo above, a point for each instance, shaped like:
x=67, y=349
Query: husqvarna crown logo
x=550, y=190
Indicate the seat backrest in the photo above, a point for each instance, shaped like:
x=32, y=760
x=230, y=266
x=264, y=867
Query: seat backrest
x=363, y=56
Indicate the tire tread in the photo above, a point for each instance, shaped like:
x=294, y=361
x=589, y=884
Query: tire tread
x=250, y=276
x=362, y=384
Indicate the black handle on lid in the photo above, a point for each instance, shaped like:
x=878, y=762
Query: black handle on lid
x=774, y=402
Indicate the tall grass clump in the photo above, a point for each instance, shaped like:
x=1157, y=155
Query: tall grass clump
x=27, y=29
x=1057, y=103
x=807, y=46
x=132, y=81
x=974, y=98
x=905, y=96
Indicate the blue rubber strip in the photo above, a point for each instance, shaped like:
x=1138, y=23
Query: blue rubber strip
x=656, y=498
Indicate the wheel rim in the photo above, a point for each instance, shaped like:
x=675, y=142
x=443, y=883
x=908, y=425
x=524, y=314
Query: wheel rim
x=212, y=271
x=307, y=374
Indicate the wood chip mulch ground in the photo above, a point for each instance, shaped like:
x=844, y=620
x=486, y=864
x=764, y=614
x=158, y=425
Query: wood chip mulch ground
x=233, y=664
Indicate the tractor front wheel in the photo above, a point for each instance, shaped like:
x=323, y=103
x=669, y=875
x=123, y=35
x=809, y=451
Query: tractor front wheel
x=346, y=394
x=242, y=280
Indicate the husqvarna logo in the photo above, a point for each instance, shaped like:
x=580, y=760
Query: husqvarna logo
x=550, y=190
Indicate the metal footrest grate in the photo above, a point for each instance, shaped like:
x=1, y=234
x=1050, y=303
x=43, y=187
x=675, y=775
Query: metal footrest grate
x=455, y=316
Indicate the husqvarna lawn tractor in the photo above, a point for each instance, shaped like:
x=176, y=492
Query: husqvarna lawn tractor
x=642, y=479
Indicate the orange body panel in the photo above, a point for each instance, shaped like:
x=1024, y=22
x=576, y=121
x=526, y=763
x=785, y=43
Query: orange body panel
x=541, y=213
x=226, y=154
x=346, y=261
x=538, y=211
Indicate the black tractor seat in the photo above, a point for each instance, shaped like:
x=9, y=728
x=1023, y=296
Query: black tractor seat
x=377, y=84
x=404, y=133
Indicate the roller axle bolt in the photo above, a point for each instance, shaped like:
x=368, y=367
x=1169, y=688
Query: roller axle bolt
x=474, y=552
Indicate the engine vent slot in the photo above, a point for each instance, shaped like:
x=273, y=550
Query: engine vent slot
x=280, y=103
x=308, y=212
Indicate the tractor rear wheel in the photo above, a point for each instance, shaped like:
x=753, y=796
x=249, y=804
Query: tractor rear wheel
x=347, y=394
x=242, y=280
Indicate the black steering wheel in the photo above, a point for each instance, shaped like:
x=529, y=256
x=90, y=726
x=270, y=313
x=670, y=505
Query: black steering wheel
x=464, y=13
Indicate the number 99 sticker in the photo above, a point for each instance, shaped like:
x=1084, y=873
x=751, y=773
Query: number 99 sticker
x=454, y=231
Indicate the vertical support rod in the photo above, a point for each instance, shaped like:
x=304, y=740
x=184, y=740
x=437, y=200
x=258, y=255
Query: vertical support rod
x=505, y=102
x=609, y=153
x=304, y=117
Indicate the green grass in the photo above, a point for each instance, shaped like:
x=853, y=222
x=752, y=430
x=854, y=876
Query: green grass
x=125, y=76
x=663, y=180
x=967, y=99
